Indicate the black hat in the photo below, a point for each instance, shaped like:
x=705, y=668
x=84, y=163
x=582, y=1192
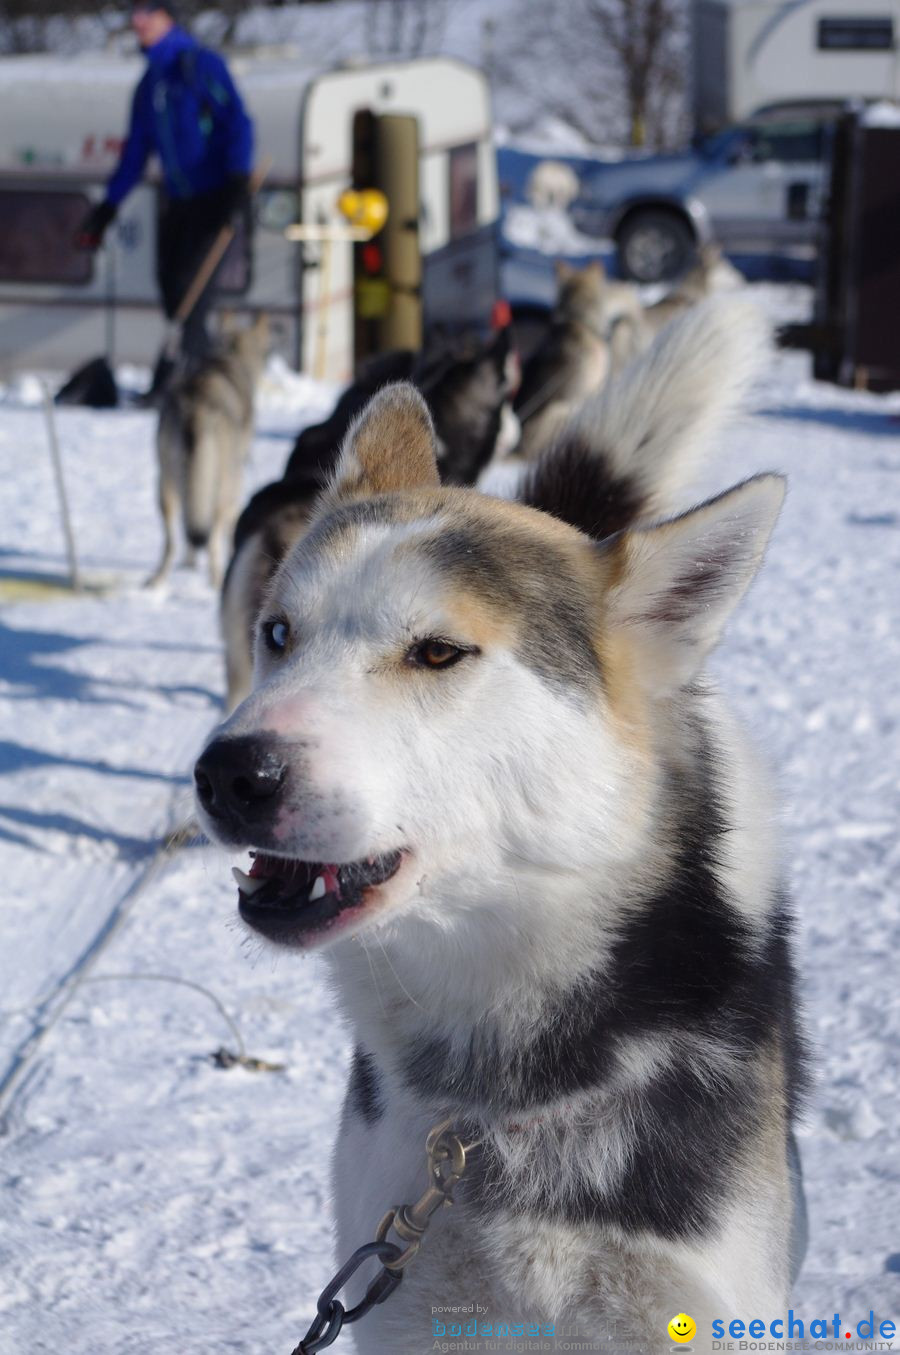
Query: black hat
x=170, y=6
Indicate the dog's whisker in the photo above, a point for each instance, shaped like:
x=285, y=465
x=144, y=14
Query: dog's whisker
x=400, y=982
x=377, y=986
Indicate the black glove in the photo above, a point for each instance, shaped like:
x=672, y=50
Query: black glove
x=91, y=231
x=235, y=195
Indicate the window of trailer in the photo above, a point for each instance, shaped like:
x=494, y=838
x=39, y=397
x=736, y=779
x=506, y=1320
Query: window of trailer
x=37, y=237
x=856, y=34
x=463, y=190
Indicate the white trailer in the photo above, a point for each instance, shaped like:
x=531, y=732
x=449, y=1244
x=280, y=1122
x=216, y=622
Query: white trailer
x=749, y=54
x=419, y=130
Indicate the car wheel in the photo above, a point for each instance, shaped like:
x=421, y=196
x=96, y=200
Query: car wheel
x=654, y=247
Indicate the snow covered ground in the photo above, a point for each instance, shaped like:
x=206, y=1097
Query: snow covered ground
x=152, y=1202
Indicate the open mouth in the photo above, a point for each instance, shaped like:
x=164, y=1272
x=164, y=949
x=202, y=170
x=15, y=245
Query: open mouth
x=287, y=900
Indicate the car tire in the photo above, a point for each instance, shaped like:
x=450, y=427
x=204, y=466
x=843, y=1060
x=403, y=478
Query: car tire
x=654, y=246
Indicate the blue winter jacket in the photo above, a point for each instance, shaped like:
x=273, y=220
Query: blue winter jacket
x=186, y=109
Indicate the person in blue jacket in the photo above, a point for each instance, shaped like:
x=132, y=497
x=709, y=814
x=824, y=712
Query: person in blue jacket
x=188, y=112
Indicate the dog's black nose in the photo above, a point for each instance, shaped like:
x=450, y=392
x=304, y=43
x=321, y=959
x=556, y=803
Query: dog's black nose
x=239, y=779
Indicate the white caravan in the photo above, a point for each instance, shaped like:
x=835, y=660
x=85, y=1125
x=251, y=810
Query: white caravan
x=748, y=54
x=420, y=131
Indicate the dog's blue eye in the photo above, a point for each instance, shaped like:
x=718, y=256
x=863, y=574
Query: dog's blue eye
x=275, y=634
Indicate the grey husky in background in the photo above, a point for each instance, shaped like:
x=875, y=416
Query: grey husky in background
x=204, y=434
x=636, y=325
x=483, y=767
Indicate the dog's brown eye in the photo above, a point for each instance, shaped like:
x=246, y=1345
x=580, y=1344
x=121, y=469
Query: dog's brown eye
x=275, y=634
x=436, y=654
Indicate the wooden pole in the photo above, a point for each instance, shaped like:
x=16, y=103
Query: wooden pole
x=325, y=235
x=320, y=363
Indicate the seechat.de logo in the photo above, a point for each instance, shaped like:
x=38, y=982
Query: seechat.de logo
x=682, y=1328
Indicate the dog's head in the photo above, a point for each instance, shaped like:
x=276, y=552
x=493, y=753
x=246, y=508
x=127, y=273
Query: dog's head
x=580, y=291
x=454, y=697
x=469, y=393
x=711, y=273
x=251, y=342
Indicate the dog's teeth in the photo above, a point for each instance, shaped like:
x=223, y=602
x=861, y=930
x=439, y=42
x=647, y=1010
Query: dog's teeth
x=247, y=884
x=318, y=890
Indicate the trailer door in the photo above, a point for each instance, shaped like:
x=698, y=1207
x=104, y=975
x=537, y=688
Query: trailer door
x=397, y=163
x=388, y=269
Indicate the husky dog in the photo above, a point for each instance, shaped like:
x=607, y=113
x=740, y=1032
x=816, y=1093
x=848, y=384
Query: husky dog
x=572, y=359
x=634, y=325
x=482, y=763
x=710, y=274
x=204, y=434
x=469, y=395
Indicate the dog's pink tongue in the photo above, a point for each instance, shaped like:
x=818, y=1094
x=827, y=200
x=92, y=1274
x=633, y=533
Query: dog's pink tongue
x=266, y=866
x=280, y=867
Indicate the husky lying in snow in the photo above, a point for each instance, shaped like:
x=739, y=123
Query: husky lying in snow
x=469, y=393
x=482, y=763
x=204, y=435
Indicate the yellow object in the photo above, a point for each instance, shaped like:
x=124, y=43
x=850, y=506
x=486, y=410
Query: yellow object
x=367, y=207
x=373, y=298
x=682, y=1328
x=34, y=588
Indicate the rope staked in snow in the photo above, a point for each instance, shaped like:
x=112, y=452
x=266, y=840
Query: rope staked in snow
x=222, y=1057
x=51, y=1007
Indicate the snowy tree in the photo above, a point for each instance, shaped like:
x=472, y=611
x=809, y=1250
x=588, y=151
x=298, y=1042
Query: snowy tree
x=640, y=33
x=407, y=28
x=612, y=69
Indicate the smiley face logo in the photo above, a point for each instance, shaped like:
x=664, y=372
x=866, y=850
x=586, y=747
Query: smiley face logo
x=682, y=1328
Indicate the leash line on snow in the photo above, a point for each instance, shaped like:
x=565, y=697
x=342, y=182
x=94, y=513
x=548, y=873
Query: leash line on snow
x=50, y=1008
x=222, y=1057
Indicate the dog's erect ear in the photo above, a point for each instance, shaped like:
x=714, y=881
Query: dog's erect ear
x=391, y=446
x=672, y=587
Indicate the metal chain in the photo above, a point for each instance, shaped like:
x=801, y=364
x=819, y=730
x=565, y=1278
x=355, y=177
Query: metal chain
x=446, y=1154
x=331, y=1314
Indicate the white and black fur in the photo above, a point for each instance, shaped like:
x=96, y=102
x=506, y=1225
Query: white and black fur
x=561, y=922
